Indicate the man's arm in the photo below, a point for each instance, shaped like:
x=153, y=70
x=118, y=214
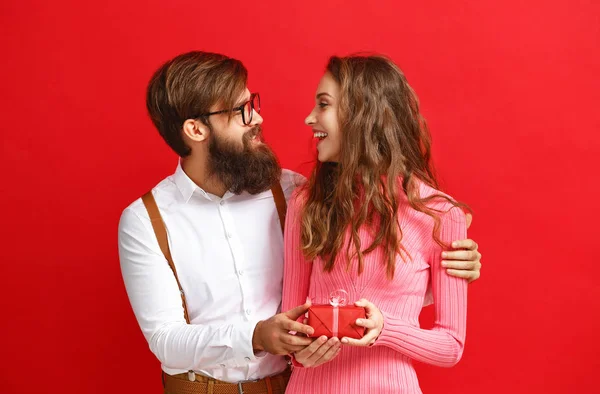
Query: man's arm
x=156, y=302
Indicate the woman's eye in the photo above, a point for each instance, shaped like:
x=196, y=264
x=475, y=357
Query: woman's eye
x=323, y=105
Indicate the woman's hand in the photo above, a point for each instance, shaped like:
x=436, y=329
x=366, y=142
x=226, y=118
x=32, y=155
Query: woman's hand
x=319, y=352
x=373, y=324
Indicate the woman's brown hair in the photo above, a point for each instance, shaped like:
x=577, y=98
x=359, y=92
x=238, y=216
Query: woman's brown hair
x=385, y=139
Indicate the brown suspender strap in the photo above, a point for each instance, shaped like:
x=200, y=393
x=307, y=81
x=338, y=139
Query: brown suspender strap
x=161, y=236
x=161, y=231
x=280, y=203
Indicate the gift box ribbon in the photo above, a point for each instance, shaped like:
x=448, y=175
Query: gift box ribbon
x=335, y=302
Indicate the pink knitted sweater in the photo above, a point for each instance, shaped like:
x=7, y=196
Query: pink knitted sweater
x=385, y=367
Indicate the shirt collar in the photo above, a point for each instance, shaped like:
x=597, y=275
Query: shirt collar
x=186, y=186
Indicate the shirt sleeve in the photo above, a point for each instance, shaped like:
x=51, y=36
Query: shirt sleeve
x=156, y=302
x=442, y=345
x=290, y=180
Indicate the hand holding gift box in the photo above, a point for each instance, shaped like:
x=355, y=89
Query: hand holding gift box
x=336, y=319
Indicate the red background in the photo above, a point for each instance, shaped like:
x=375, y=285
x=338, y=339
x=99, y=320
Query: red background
x=511, y=91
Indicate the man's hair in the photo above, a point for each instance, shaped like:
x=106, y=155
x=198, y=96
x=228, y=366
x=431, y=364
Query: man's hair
x=187, y=87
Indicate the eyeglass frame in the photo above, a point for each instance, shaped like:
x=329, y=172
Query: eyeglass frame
x=240, y=108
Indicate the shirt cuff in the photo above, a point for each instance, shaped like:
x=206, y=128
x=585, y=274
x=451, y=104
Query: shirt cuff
x=244, y=353
x=257, y=354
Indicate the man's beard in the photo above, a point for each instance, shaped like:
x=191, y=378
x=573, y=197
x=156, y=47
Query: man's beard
x=253, y=169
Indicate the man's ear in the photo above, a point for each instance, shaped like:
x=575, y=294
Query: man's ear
x=195, y=130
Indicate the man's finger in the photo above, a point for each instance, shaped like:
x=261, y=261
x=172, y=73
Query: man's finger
x=471, y=275
x=292, y=325
x=293, y=349
x=296, y=340
x=465, y=244
x=465, y=255
x=459, y=265
x=298, y=311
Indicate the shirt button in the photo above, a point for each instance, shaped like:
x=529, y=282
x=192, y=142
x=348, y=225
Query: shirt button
x=248, y=312
x=241, y=272
x=229, y=235
x=222, y=365
x=247, y=358
x=222, y=202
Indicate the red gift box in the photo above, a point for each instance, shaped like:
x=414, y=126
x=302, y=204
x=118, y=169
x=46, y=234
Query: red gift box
x=336, y=321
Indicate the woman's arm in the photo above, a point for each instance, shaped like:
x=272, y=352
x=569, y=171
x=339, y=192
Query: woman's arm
x=443, y=344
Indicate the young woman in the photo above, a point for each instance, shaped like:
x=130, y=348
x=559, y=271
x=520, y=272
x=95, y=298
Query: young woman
x=371, y=221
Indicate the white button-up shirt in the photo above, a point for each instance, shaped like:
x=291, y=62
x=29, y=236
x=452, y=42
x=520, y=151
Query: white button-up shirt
x=229, y=258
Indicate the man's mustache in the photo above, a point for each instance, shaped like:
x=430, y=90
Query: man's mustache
x=256, y=131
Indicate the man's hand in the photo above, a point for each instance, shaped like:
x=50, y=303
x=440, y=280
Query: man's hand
x=465, y=260
x=273, y=335
x=318, y=352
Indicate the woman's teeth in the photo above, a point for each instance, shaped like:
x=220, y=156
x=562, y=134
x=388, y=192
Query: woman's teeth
x=320, y=135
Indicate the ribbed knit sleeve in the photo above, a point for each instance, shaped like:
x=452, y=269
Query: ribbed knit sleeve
x=443, y=344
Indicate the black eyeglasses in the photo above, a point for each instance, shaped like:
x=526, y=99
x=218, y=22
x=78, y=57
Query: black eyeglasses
x=247, y=109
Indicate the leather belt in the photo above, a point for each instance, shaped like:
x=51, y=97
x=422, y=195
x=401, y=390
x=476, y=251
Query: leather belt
x=180, y=384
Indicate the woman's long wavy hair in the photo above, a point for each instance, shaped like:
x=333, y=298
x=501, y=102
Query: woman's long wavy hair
x=384, y=140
